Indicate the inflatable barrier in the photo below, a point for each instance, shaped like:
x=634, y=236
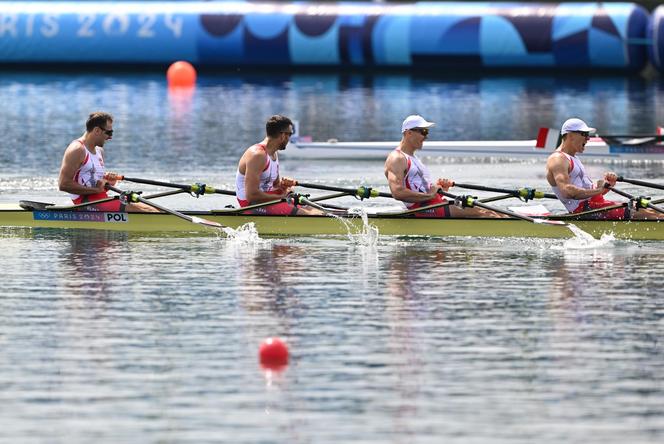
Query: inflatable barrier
x=424, y=34
x=656, y=36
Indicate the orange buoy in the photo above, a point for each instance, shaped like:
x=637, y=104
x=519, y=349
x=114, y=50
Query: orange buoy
x=181, y=75
x=273, y=354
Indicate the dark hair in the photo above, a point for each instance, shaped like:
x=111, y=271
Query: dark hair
x=277, y=124
x=99, y=119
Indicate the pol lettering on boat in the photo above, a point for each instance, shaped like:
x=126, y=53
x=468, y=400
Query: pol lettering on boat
x=116, y=217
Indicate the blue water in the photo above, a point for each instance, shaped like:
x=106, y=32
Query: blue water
x=112, y=337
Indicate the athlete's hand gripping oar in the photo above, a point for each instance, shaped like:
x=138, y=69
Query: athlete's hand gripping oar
x=198, y=188
x=470, y=201
x=525, y=194
x=360, y=192
x=641, y=183
x=639, y=202
x=134, y=197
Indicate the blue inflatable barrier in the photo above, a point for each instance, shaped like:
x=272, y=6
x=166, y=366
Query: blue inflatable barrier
x=424, y=34
x=656, y=36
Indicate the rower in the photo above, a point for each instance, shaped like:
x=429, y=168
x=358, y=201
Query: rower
x=82, y=172
x=410, y=181
x=257, y=179
x=572, y=185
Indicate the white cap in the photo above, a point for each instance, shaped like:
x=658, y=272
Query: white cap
x=415, y=121
x=571, y=125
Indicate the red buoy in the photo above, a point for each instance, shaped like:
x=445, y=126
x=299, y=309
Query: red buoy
x=181, y=75
x=273, y=353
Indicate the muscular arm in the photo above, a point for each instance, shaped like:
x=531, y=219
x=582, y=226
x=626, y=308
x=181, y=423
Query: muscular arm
x=557, y=175
x=254, y=164
x=395, y=170
x=71, y=162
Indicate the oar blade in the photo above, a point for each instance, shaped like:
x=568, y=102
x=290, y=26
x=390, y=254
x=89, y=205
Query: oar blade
x=34, y=206
x=549, y=222
x=209, y=223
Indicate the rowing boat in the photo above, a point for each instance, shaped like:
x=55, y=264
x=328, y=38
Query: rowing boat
x=596, y=148
x=12, y=215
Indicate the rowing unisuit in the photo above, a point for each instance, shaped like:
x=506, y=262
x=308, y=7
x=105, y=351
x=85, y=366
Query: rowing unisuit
x=418, y=178
x=267, y=178
x=579, y=178
x=88, y=174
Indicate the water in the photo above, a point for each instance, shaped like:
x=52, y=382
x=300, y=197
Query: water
x=115, y=337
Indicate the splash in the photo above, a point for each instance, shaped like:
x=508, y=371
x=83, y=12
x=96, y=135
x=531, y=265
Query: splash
x=368, y=234
x=585, y=241
x=244, y=235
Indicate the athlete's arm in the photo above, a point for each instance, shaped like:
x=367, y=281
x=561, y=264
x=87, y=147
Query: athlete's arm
x=71, y=162
x=558, y=176
x=254, y=165
x=395, y=171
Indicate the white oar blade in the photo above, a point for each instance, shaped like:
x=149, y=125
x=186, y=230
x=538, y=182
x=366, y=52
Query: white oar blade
x=549, y=222
x=209, y=223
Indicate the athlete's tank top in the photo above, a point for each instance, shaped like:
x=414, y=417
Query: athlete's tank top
x=90, y=171
x=578, y=178
x=417, y=177
x=268, y=176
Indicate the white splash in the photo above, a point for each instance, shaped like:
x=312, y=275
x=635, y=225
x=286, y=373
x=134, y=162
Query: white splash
x=368, y=235
x=585, y=241
x=244, y=235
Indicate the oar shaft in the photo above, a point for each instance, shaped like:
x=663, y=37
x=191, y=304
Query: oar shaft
x=197, y=188
x=641, y=183
x=477, y=203
x=349, y=191
x=529, y=193
x=640, y=202
x=195, y=220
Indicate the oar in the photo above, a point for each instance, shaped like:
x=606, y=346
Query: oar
x=575, y=216
x=28, y=205
x=329, y=211
x=440, y=204
x=274, y=202
x=641, y=183
x=640, y=202
x=193, y=219
x=197, y=188
x=361, y=192
x=522, y=193
x=470, y=201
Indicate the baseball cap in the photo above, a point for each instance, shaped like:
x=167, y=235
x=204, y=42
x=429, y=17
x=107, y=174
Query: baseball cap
x=574, y=124
x=415, y=121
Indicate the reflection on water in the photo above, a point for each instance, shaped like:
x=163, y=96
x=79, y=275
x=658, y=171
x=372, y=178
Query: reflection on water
x=401, y=340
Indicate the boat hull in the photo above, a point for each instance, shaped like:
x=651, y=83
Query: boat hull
x=321, y=225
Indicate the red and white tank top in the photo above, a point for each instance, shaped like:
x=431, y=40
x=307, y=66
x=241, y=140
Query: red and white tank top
x=417, y=177
x=268, y=176
x=578, y=178
x=90, y=171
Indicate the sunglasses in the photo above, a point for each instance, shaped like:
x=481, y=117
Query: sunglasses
x=290, y=133
x=423, y=131
x=583, y=133
x=109, y=133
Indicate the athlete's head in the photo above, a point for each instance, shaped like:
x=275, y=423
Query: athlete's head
x=281, y=128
